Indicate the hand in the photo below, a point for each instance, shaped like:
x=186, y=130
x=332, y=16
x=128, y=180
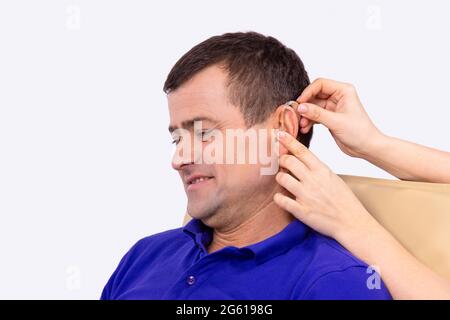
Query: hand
x=336, y=105
x=323, y=201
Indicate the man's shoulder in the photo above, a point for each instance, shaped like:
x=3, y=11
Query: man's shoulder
x=332, y=272
x=153, y=248
x=321, y=255
x=142, y=256
x=332, y=253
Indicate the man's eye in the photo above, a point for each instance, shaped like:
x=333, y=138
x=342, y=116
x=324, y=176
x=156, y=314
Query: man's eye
x=175, y=140
x=205, y=135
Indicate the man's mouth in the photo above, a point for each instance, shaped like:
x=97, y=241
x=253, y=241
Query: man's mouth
x=196, y=182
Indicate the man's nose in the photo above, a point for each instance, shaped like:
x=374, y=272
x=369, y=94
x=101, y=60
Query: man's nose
x=178, y=164
x=184, y=154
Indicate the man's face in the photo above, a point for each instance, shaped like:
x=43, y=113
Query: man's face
x=224, y=192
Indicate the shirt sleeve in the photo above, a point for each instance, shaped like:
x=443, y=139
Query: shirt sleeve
x=352, y=283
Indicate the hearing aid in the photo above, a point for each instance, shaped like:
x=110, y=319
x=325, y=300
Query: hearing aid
x=294, y=105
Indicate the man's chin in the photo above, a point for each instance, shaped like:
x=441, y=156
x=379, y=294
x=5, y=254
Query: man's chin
x=200, y=213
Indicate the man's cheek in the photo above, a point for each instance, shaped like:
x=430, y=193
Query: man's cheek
x=242, y=175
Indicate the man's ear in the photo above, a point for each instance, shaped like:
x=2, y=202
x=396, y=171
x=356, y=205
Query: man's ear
x=286, y=119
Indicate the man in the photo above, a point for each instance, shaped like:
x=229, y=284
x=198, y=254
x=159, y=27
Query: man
x=239, y=244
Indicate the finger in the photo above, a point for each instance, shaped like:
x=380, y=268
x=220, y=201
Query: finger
x=320, y=102
x=327, y=104
x=306, y=129
x=322, y=88
x=294, y=165
x=289, y=183
x=318, y=114
x=323, y=103
x=304, y=122
x=290, y=205
x=298, y=150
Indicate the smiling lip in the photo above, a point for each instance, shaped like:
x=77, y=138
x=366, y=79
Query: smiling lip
x=196, y=182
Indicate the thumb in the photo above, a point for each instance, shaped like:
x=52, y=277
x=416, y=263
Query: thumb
x=318, y=114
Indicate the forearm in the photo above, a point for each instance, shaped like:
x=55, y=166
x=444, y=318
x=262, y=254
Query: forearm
x=404, y=275
x=409, y=161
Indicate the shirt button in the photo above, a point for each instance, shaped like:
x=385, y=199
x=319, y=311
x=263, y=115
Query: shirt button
x=190, y=280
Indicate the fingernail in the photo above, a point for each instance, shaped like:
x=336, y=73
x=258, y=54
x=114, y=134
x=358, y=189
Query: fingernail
x=302, y=108
x=281, y=134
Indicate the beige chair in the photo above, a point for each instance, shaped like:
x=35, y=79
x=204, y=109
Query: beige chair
x=416, y=213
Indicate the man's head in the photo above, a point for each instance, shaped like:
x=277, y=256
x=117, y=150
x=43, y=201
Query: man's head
x=232, y=81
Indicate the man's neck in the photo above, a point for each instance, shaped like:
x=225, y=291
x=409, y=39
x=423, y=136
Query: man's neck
x=261, y=225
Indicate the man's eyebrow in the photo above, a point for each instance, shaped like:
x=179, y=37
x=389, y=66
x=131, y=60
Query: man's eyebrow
x=187, y=124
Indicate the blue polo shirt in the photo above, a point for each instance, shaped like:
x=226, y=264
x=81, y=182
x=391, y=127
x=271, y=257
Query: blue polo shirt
x=296, y=263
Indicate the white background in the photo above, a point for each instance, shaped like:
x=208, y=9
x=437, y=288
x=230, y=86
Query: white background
x=84, y=148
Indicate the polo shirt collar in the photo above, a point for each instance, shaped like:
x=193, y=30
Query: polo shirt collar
x=293, y=234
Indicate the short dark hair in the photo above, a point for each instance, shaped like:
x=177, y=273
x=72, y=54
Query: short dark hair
x=262, y=72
